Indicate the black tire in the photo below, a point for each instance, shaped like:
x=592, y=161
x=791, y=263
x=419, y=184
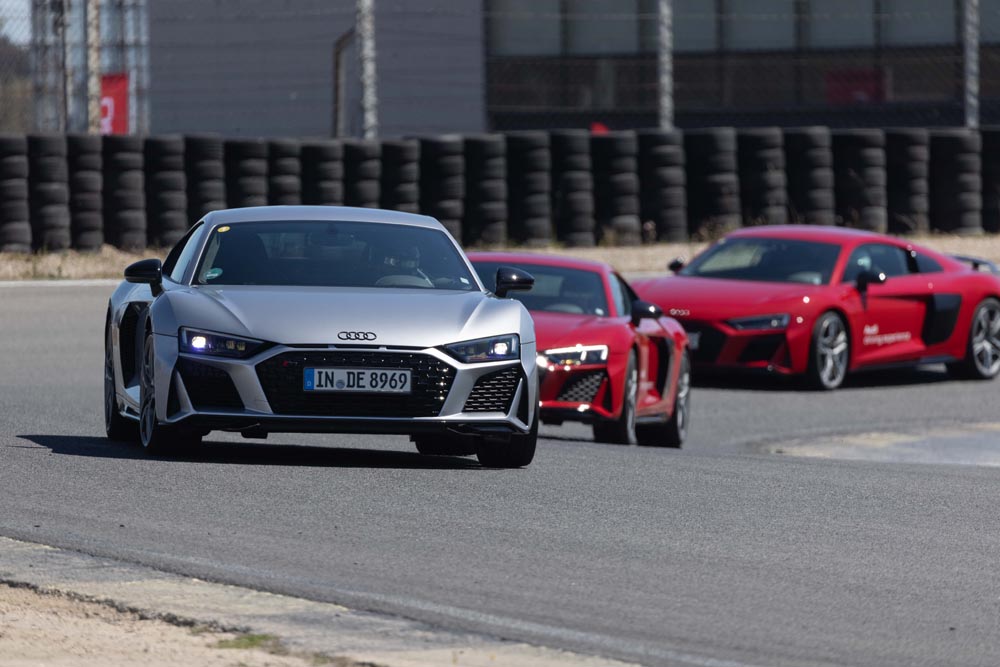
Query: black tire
x=444, y=445
x=156, y=438
x=817, y=374
x=622, y=431
x=973, y=366
x=514, y=453
x=116, y=427
x=672, y=431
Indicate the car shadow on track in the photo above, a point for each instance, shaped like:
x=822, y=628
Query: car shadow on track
x=256, y=454
x=892, y=377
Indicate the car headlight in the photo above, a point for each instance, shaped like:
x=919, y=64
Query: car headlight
x=761, y=322
x=496, y=348
x=211, y=344
x=574, y=356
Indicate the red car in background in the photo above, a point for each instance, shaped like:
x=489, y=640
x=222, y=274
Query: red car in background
x=605, y=357
x=824, y=301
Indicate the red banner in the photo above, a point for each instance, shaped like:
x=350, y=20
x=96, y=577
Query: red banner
x=114, y=104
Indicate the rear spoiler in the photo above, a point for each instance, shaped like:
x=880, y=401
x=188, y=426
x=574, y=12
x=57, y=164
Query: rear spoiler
x=978, y=264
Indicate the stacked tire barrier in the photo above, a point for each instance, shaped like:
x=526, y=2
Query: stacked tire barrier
x=284, y=172
x=663, y=184
x=712, y=182
x=15, y=214
x=401, y=175
x=763, y=185
x=907, y=156
x=485, y=190
x=956, y=192
x=124, y=192
x=323, y=173
x=809, y=168
x=166, y=191
x=205, y=170
x=616, y=187
x=48, y=192
x=86, y=182
x=362, y=173
x=859, y=178
x=442, y=180
x=529, y=162
x=246, y=172
x=573, y=188
x=991, y=179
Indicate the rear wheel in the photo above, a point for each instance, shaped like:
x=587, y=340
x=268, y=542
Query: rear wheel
x=622, y=430
x=982, y=355
x=514, y=453
x=673, y=431
x=116, y=426
x=158, y=438
x=829, y=353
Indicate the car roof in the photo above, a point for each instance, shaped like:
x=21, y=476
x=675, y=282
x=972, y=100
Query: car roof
x=541, y=259
x=818, y=233
x=234, y=216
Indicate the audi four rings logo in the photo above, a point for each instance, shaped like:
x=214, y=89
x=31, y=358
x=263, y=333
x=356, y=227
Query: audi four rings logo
x=680, y=312
x=356, y=335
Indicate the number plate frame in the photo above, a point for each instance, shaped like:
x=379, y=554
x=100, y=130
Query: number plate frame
x=358, y=380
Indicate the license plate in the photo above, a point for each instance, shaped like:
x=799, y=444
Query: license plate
x=693, y=339
x=367, y=380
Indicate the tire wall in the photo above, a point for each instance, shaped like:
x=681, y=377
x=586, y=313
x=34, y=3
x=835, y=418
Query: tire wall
x=284, y=172
x=809, y=166
x=763, y=184
x=486, y=212
x=400, y=185
x=362, y=173
x=166, y=191
x=205, y=172
x=860, y=179
x=86, y=183
x=956, y=185
x=15, y=215
x=616, y=188
x=48, y=192
x=907, y=154
x=713, y=187
x=573, y=188
x=246, y=162
x=663, y=184
x=323, y=173
x=529, y=162
x=124, y=192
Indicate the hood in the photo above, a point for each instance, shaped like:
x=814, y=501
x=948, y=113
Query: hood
x=315, y=315
x=554, y=330
x=685, y=297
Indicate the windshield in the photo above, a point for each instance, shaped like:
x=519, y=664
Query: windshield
x=333, y=254
x=768, y=260
x=556, y=290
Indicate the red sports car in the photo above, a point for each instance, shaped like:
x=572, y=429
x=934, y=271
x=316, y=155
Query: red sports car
x=823, y=301
x=605, y=357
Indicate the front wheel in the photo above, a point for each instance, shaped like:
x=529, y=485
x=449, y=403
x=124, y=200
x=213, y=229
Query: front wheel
x=515, y=453
x=154, y=437
x=673, y=431
x=982, y=354
x=829, y=353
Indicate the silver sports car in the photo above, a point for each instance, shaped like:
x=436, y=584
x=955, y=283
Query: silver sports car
x=321, y=319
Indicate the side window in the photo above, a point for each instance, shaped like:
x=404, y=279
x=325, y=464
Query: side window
x=180, y=257
x=878, y=257
x=622, y=295
x=927, y=265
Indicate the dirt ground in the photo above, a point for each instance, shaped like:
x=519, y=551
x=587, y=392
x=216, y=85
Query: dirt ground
x=47, y=629
x=109, y=262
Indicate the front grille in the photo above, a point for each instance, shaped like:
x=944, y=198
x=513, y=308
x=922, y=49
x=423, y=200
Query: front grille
x=494, y=392
x=761, y=348
x=710, y=342
x=581, y=387
x=208, y=387
x=281, y=379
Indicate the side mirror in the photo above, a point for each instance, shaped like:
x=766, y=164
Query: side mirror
x=866, y=278
x=146, y=271
x=644, y=310
x=512, y=280
x=676, y=264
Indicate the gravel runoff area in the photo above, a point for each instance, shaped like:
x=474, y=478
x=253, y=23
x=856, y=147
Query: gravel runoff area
x=109, y=262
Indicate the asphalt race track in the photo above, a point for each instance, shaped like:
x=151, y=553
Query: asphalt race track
x=722, y=554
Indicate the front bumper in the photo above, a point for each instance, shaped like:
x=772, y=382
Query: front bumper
x=264, y=393
x=578, y=394
x=718, y=345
